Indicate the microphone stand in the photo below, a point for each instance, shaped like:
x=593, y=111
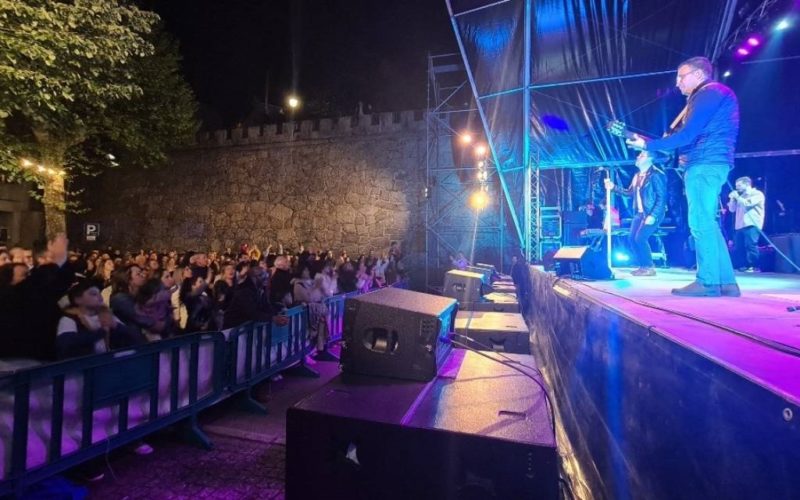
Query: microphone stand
x=607, y=223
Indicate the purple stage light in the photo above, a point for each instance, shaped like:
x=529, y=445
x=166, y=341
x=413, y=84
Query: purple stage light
x=753, y=41
x=743, y=51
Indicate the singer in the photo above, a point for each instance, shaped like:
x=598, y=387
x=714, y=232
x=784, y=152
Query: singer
x=649, y=191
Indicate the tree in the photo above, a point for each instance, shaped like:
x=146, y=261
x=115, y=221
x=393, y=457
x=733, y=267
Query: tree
x=86, y=85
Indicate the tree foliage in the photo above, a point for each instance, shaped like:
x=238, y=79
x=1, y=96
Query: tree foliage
x=83, y=79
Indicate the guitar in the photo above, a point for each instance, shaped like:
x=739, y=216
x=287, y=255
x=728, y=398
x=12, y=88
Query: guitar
x=618, y=128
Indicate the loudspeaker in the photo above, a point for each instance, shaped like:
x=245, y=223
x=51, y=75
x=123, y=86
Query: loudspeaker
x=464, y=286
x=484, y=272
x=480, y=432
x=396, y=333
x=493, y=331
x=581, y=262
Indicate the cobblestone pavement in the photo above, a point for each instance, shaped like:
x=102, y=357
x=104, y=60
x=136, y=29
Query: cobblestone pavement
x=234, y=469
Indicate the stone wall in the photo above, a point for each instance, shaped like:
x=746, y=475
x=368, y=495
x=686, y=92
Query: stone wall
x=350, y=183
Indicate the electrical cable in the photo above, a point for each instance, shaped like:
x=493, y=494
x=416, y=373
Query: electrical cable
x=548, y=401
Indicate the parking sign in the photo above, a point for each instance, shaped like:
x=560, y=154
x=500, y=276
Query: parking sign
x=91, y=231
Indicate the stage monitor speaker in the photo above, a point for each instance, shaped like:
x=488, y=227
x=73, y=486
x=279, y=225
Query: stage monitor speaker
x=397, y=333
x=464, y=286
x=486, y=273
x=581, y=262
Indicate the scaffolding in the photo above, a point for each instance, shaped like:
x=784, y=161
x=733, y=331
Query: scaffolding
x=452, y=177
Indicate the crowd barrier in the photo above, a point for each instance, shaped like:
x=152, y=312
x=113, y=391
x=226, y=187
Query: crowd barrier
x=56, y=416
x=59, y=415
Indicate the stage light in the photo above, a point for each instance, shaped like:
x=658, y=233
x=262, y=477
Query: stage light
x=753, y=41
x=783, y=25
x=483, y=175
x=466, y=138
x=480, y=150
x=478, y=200
x=743, y=51
x=293, y=102
x=727, y=74
x=481, y=164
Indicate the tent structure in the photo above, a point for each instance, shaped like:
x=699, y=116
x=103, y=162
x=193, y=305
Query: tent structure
x=547, y=76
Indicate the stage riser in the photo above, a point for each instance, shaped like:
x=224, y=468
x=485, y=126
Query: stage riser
x=648, y=418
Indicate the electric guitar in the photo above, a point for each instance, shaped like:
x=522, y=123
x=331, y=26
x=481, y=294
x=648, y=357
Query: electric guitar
x=618, y=128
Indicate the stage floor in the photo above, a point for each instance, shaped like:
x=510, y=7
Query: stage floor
x=752, y=335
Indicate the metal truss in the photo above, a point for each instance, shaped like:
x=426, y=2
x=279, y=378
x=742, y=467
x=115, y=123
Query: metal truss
x=448, y=218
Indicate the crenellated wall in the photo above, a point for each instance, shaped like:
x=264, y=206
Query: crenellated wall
x=354, y=183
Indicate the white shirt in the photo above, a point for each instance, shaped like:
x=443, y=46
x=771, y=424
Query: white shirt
x=749, y=209
x=68, y=325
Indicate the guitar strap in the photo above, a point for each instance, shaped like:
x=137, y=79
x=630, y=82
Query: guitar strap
x=678, y=119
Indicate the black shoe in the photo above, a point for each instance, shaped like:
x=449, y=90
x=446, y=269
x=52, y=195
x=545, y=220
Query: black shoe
x=697, y=289
x=731, y=290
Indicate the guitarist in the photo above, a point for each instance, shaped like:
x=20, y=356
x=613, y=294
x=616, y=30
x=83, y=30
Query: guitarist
x=706, y=140
x=649, y=191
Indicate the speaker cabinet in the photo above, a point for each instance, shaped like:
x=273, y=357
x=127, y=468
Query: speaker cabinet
x=581, y=262
x=464, y=286
x=396, y=333
x=481, y=430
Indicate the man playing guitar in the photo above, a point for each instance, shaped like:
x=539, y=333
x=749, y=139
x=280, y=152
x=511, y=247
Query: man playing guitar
x=706, y=140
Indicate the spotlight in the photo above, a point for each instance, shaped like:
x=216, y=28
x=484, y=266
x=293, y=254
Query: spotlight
x=293, y=102
x=478, y=200
x=743, y=51
x=783, y=25
x=480, y=150
x=481, y=164
x=621, y=257
x=753, y=41
x=466, y=138
x=727, y=74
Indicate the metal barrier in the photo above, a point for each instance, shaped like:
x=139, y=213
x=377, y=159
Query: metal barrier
x=257, y=351
x=55, y=416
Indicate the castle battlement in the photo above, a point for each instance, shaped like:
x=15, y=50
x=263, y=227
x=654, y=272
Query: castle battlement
x=345, y=126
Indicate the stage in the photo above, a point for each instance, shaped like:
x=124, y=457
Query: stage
x=671, y=397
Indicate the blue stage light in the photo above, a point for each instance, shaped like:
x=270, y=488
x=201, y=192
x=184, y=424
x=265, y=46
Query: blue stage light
x=621, y=257
x=783, y=25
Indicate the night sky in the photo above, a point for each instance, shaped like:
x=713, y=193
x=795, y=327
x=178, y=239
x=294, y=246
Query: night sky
x=335, y=53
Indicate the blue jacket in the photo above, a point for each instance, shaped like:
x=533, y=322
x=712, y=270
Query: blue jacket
x=709, y=130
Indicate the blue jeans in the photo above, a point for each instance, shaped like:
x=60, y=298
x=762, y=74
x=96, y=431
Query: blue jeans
x=703, y=185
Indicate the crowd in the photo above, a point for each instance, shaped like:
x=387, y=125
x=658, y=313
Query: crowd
x=59, y=304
